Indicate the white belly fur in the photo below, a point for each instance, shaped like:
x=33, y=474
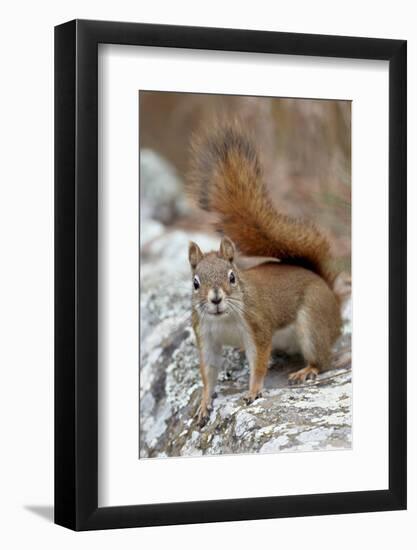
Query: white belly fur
x=286, y=340
x=225, y=332
x=229, y=332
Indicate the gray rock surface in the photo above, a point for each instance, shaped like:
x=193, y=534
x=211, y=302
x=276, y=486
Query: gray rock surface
x=287, y=418
x=162, y=196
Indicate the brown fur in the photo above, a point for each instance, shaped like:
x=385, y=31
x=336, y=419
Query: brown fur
x=226, y=178
x=278, y=293
x=295, y=292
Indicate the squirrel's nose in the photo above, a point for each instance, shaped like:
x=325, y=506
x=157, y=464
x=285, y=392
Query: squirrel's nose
x=215, y=296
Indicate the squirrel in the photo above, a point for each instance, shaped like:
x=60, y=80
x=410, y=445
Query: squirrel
x=289, y=303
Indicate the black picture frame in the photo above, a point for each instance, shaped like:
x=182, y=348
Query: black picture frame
x=76, y=272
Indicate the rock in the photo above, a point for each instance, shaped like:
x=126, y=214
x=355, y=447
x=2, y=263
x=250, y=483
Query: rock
x=170, y=251
x=287, y=418
x=165, y=278
x=150, y=230
x=162, y=196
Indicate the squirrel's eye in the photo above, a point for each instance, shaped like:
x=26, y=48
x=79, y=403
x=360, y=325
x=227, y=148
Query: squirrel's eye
x=196, y=282
x=232, y=277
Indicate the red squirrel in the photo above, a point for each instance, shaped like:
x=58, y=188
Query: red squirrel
x=290, y=305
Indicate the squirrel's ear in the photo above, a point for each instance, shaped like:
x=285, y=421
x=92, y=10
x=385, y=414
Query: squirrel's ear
x=227, y=249
x=194, y=254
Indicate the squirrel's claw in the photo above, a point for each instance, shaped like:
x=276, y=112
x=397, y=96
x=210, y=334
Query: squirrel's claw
x=302, y=375
x=203, y=414
x=202, y=421
x=249, y=398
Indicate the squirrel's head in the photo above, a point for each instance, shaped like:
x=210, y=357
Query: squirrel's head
x=217, y=285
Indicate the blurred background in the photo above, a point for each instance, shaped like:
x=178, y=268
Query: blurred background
x=305, y=146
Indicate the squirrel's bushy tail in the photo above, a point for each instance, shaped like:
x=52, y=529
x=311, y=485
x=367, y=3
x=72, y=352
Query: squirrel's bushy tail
x=226, y=178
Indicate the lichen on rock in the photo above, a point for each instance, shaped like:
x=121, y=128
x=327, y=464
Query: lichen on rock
x=315, y=416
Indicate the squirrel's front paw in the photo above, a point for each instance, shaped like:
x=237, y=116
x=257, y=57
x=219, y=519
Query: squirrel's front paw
x=203, y=414
x=250, y=397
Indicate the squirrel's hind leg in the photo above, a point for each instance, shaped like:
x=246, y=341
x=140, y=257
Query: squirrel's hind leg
x=315, y=342
x=309, y=372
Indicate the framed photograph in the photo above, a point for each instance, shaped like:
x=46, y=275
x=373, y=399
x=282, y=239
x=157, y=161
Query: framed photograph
x=230, y=275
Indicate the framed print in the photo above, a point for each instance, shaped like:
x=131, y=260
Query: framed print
x=230, y=275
